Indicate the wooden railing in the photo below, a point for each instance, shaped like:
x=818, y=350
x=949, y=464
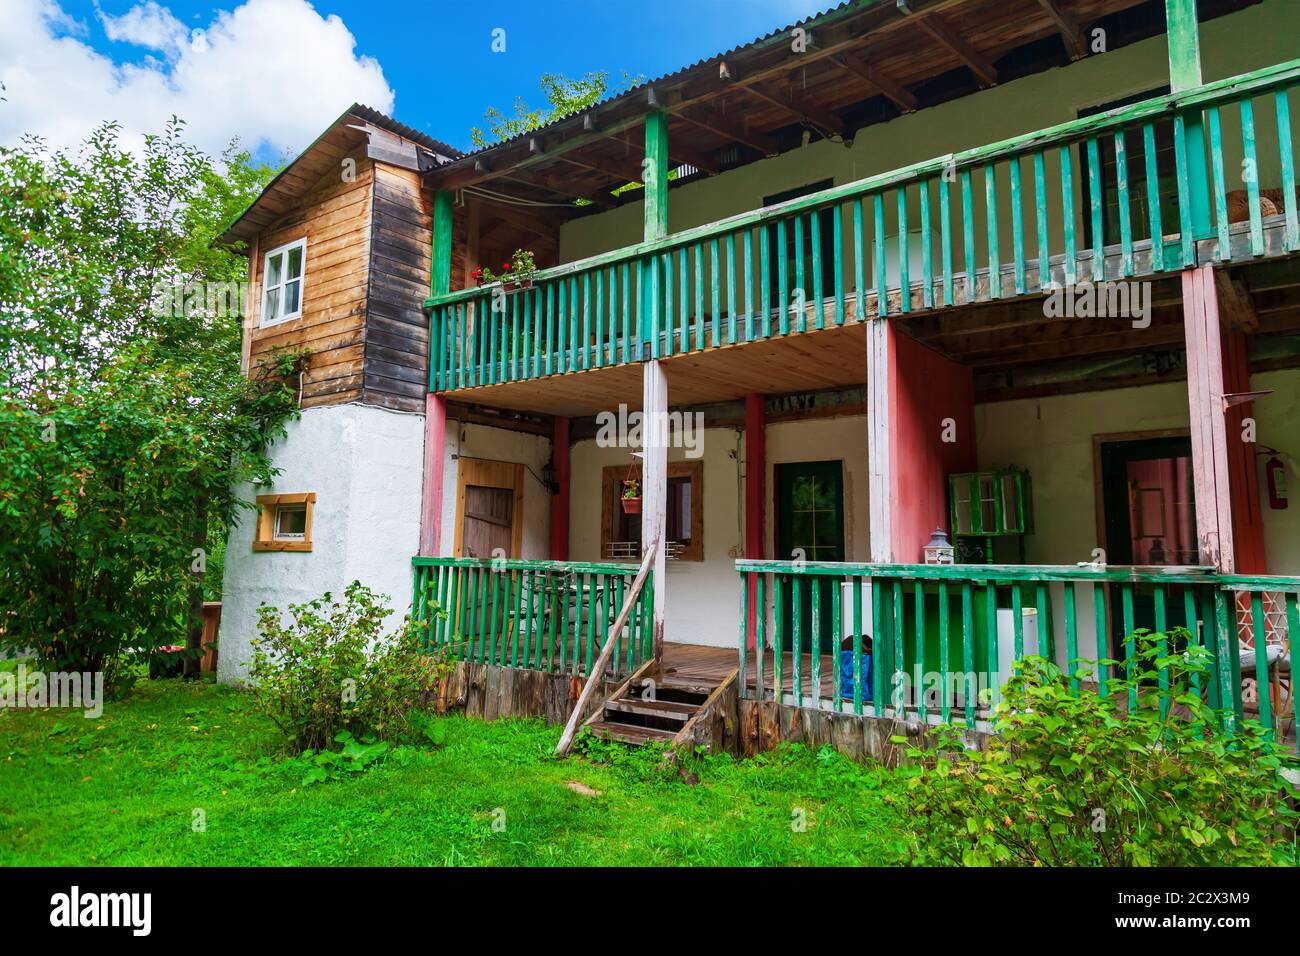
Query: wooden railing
x=957, y=631
x=538, y=615
x=826, y=259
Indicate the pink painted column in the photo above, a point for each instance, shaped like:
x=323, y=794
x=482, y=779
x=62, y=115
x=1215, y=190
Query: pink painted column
x=560, y=496
x=435, y=432
x=1210, y=475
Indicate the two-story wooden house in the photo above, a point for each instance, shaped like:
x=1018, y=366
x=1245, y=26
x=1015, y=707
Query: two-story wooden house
x=1023, y=272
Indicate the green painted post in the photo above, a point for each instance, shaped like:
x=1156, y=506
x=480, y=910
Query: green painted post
x=440, y=275
x=1184, y=41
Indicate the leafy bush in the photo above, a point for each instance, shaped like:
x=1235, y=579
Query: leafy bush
x=355, y=757
x=1074, y=779
x=329, y=669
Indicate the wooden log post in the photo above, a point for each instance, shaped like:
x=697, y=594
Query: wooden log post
x=1208, y=423
x=1184, y=41
x=435, y=406
x=654, y=486
x=654, y=394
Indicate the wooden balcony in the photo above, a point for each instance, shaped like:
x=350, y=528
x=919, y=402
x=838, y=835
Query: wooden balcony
x=1004, y=223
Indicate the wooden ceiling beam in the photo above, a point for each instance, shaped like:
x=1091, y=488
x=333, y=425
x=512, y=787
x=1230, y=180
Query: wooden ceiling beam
x=882, y=84
x=727, y=128
x=826, y=121
x=623, y=174
x=945, y=37
x=531, y=178
x=678, y=154
x=1069, y=27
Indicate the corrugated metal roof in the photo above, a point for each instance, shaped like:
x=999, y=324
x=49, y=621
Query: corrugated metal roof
x=681, y=71
x=385, y=121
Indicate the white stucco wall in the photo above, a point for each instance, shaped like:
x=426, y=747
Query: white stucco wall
x=365, y=465
x=500, y=444
x=704, y=596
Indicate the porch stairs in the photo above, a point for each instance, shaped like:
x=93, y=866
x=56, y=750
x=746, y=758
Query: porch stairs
x=643, y=712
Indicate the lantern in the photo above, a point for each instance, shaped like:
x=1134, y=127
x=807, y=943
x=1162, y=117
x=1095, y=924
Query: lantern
x=938, y=550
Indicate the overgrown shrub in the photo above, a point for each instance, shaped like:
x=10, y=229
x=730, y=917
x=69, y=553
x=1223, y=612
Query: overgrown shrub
x=330, y=669
x=1075, y=779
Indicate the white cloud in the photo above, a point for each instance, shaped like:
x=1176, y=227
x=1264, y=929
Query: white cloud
x=272, y=72
x=147, y=25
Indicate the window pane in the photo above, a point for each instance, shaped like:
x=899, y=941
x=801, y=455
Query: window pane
x=295, y=263
x=291, y=296
x=291, y=521
x=273, y=270
x=271, y=305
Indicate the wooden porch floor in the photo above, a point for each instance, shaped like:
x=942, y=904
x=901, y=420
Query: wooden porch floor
x=703, y=666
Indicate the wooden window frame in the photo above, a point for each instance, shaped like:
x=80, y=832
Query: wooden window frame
x=267, y=506
x=301, y=279
x=614, y=475
x=487, y=473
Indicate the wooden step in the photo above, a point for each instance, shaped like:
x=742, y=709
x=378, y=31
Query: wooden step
x=667, y=709
x=628, y=733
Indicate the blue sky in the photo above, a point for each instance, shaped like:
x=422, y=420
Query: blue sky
x=435, y=57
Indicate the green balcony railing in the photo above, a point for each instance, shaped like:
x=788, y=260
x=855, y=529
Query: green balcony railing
x=537, y=615
x=990, y=223
x=824, y=625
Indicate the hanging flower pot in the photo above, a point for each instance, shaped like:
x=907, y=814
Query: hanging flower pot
x=631, y=497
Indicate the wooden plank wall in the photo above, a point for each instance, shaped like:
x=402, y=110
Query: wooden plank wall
x=765, y=725
x=396, y=373
x=490, y=692
x=335, y=219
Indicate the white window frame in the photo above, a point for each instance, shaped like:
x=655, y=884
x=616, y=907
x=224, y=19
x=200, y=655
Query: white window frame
x=280, y=510
x=300, y=279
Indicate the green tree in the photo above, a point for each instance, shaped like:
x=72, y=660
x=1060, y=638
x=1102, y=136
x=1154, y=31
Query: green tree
x=564, y=97
x=125, y=422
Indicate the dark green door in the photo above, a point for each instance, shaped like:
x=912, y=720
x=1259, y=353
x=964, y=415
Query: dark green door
x=1150, y=515
x=810, y=524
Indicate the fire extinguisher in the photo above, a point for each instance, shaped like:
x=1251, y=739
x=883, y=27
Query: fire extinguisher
x=1275, y=475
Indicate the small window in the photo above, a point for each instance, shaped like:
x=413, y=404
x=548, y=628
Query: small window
x=284, y=522
x=282, y=283
x=683, y=518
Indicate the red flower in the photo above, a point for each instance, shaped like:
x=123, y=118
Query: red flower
x=477, y=274
x=505, y=266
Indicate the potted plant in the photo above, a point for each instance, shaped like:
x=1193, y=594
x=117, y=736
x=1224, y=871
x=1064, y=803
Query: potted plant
x=631, y=496
x=514, y=275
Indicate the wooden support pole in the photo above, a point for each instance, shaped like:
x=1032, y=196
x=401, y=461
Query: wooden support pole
x=654, y=484
x=435, y=431
x=1184, y=41
x=755, y=496
x=440, y=274
x=560, y=494
x=1208, y=423
x=654, y=175
x=879, y=459
x=435, y=406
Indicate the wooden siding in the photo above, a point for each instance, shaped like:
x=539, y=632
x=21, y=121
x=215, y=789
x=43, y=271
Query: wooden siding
x=396, y=373
x=334, y=218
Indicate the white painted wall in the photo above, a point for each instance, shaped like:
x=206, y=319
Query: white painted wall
x=500, y=444
x=704, y=596
x=365, y=465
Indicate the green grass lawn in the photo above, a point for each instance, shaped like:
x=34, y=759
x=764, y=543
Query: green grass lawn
x=123, y=790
